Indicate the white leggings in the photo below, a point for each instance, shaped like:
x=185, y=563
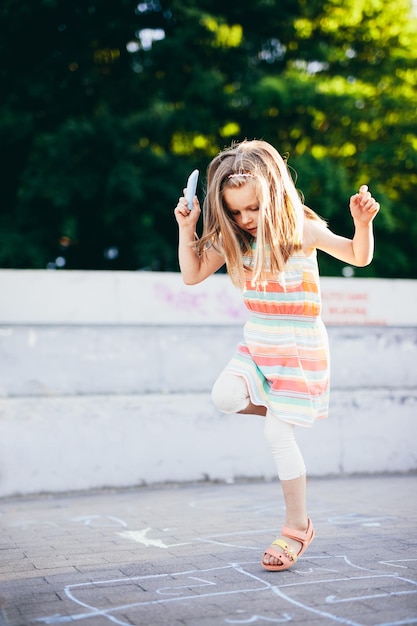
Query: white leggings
x=230, y=395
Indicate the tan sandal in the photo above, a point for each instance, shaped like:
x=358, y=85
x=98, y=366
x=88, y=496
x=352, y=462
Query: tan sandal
x=290, y=556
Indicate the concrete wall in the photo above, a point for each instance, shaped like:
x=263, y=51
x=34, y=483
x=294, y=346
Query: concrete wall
x=105, y=381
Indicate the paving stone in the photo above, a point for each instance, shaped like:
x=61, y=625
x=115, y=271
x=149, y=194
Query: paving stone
x=190, y=555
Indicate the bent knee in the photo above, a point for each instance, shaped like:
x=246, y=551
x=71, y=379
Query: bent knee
x=230, y=393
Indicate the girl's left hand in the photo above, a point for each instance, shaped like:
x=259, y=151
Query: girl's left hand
x=363, y=206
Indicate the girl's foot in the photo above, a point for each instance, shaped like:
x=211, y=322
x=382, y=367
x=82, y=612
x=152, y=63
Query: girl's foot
x=271, y=559
x=285, y=551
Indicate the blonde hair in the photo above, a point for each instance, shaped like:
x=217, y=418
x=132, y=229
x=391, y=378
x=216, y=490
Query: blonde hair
x=281, y=212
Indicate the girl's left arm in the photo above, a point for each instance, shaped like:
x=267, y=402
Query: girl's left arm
x=358, y=250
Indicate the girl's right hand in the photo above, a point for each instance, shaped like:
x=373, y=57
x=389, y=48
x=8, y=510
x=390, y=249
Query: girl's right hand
x=183, y=215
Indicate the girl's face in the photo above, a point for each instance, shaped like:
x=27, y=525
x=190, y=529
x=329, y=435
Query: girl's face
x=242, y=205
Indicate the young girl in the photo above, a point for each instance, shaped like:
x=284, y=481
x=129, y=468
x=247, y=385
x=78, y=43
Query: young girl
x=255, y=222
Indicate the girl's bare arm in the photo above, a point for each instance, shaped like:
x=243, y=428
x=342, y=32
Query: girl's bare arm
x=194, y=267
x=357, y=251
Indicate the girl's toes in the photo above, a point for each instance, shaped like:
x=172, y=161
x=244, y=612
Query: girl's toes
x=271, y=560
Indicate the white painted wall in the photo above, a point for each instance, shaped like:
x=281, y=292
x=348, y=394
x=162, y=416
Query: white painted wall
x=74, y=297
x=105, y=381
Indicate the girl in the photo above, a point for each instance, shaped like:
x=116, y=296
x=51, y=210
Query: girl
x=255, y=222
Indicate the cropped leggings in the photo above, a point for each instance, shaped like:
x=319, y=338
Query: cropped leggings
x=230, y=395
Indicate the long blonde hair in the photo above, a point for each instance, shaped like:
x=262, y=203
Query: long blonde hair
x=281, y=212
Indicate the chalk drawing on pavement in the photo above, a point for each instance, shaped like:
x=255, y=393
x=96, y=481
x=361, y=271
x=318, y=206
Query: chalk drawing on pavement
x=96, y=521
x=260, y=618
x=140, y=536
x=335, y=582
x=400, y=563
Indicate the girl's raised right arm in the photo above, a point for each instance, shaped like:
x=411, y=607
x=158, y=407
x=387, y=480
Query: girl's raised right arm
x=194, y=267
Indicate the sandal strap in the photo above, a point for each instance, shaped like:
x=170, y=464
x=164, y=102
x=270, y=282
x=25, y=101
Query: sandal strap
x=289, y=552
x=304, y=536
x=281, y=556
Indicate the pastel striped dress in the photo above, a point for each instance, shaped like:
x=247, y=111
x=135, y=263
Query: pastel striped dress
x=284, y=357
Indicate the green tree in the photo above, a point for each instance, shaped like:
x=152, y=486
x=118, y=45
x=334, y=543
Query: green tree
x=108, y=109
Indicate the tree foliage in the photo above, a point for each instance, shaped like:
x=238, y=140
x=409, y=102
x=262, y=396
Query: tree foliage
x=109, y=106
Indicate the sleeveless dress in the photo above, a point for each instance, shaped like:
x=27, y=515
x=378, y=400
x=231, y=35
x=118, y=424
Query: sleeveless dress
x=284, y=357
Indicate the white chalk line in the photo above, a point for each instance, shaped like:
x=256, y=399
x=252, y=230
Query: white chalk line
x=196, y=575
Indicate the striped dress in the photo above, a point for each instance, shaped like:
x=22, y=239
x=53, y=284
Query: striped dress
x=284, y=357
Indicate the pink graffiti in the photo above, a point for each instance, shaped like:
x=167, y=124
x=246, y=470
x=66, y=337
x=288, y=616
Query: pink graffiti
x=229, y=307
x=182, y=300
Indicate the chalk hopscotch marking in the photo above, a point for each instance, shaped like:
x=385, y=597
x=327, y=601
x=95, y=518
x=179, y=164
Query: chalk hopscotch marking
x=98, y=521
x=261, y=618
x=70, y=590
x=140, y=537
x=226, y=539
x=330, y=599
x=175, y=588
x=391, y=594
x=169, y=591
x=396, y=563
x=355, y=519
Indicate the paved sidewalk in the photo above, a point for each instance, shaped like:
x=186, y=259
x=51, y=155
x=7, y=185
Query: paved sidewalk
x=179, y=556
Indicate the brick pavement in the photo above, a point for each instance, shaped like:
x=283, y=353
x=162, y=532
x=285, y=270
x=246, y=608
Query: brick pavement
x=190, y=554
